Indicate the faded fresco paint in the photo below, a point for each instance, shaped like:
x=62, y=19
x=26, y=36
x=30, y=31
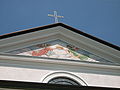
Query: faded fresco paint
x=58, y=49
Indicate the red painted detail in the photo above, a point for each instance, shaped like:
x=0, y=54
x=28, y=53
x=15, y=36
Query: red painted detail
x=41, y=52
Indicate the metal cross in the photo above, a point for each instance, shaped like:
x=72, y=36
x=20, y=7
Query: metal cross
x=55, y=16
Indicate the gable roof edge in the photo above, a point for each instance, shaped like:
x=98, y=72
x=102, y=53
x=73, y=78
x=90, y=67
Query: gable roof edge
x=63, y=25
x=91, y=37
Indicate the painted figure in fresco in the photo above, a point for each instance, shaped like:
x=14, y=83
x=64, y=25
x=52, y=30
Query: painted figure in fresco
x=41, y=52
x=59, y=52
x=56, y=51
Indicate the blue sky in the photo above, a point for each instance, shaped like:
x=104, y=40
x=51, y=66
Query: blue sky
x=100, y=18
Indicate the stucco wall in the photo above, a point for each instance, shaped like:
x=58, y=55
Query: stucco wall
x=38, y=75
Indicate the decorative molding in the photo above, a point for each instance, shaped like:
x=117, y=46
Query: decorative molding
x=7, y=58
x=53, y=75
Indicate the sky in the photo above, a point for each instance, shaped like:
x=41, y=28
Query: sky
x=100, y=18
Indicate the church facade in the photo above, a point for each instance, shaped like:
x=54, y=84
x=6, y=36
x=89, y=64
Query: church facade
x=59, y=54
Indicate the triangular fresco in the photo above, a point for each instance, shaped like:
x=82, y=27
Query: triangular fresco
x=58, y=49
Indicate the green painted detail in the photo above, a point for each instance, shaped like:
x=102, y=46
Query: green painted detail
x=74, y=53
x=83, y=57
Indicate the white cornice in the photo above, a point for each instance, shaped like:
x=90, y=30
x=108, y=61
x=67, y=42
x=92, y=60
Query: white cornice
x=18, y=58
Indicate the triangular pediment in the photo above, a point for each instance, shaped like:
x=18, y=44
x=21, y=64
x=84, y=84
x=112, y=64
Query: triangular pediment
x=59, y=41
x=58, y=49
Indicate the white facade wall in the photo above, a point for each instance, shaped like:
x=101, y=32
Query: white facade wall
x=39, y=73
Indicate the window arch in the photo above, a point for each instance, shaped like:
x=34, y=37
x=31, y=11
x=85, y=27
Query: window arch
x=63, y=77
x=63, y=80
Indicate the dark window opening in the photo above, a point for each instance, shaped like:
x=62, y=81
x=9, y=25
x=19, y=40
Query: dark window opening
x=63, y=81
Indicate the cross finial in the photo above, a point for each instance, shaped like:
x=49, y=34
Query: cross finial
x=55, y=16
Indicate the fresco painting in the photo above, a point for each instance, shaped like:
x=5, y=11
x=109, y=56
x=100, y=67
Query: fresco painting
x=58, y=49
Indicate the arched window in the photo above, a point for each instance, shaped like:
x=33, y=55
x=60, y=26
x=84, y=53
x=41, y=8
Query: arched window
x=63, y=80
